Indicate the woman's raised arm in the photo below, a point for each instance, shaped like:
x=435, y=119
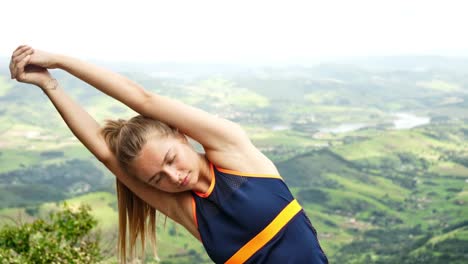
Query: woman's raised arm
x=83, y=126
x=87, y=130
x=212, y=132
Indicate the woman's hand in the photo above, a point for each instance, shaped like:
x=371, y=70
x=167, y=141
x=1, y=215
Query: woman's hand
x=24, y=70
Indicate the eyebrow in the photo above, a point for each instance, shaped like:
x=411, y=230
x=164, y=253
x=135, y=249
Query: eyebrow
x=165, y=158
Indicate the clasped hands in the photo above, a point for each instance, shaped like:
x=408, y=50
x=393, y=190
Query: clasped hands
x=28, y=65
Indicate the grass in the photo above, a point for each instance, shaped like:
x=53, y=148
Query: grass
x=320, y=97
x=246, y=98
x=12, y=159
x=342, y=197
x=460, y=233
x=450, y=169
x=391, y=142
x=101, y=108
x=225, y=92
x=266, y=137
x=13, y=216
x=382, y=189
x=101, y=210
x=440, y=86
x=463, y=195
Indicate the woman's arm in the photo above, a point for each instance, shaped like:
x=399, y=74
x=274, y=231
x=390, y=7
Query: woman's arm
x=226, y=143
x=82, y=125
x=87, y=130
x=212, y=132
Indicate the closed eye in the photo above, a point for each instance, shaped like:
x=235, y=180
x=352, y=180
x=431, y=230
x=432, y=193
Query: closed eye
x=172, y=160
x=158, y=179
x=155, y=179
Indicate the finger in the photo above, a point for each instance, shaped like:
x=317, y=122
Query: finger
x=20, y=50
x=17, y=59
x=12, y=69
x=20, y=67
x=12, y=63
x=19, y=47
x=18, y=55
x=21, y=56
x=20, y=74
x=14, y=58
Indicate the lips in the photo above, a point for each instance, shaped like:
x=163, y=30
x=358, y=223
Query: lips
x=186, y=180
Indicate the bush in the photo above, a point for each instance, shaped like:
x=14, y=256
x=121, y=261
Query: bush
x=65, y=238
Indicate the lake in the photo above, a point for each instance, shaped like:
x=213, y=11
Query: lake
x=400, y=121
x=408, y=121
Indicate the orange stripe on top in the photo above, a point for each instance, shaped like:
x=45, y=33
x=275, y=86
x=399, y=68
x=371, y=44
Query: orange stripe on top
x=249, y=174
x=256, y=243
x=212, y=184
x=194, y=210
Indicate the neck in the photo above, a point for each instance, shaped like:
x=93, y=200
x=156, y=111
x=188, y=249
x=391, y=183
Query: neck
x=204, y=177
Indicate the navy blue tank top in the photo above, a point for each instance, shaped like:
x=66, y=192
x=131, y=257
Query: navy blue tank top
x=238, y=206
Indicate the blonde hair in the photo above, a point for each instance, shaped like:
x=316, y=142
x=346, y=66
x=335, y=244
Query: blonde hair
x=126, y=139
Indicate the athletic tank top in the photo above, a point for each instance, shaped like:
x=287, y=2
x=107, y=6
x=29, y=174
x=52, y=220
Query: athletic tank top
x=252, y=218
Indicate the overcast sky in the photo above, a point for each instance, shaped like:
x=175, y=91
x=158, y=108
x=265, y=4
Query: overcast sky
x=202, y=30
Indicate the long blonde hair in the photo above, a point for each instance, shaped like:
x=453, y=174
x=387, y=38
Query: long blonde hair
x=126, y=139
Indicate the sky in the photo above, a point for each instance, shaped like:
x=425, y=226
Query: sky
x=234, y=31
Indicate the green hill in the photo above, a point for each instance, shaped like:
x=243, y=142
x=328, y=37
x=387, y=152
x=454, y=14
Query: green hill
x=387, y=190
x=376, y=194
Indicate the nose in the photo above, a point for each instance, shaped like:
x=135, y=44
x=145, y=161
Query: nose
x=172, y=174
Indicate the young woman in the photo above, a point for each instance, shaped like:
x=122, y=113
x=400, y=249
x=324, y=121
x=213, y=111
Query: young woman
x=231, y=197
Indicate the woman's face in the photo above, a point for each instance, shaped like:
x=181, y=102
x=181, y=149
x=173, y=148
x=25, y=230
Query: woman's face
x=168, y=164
